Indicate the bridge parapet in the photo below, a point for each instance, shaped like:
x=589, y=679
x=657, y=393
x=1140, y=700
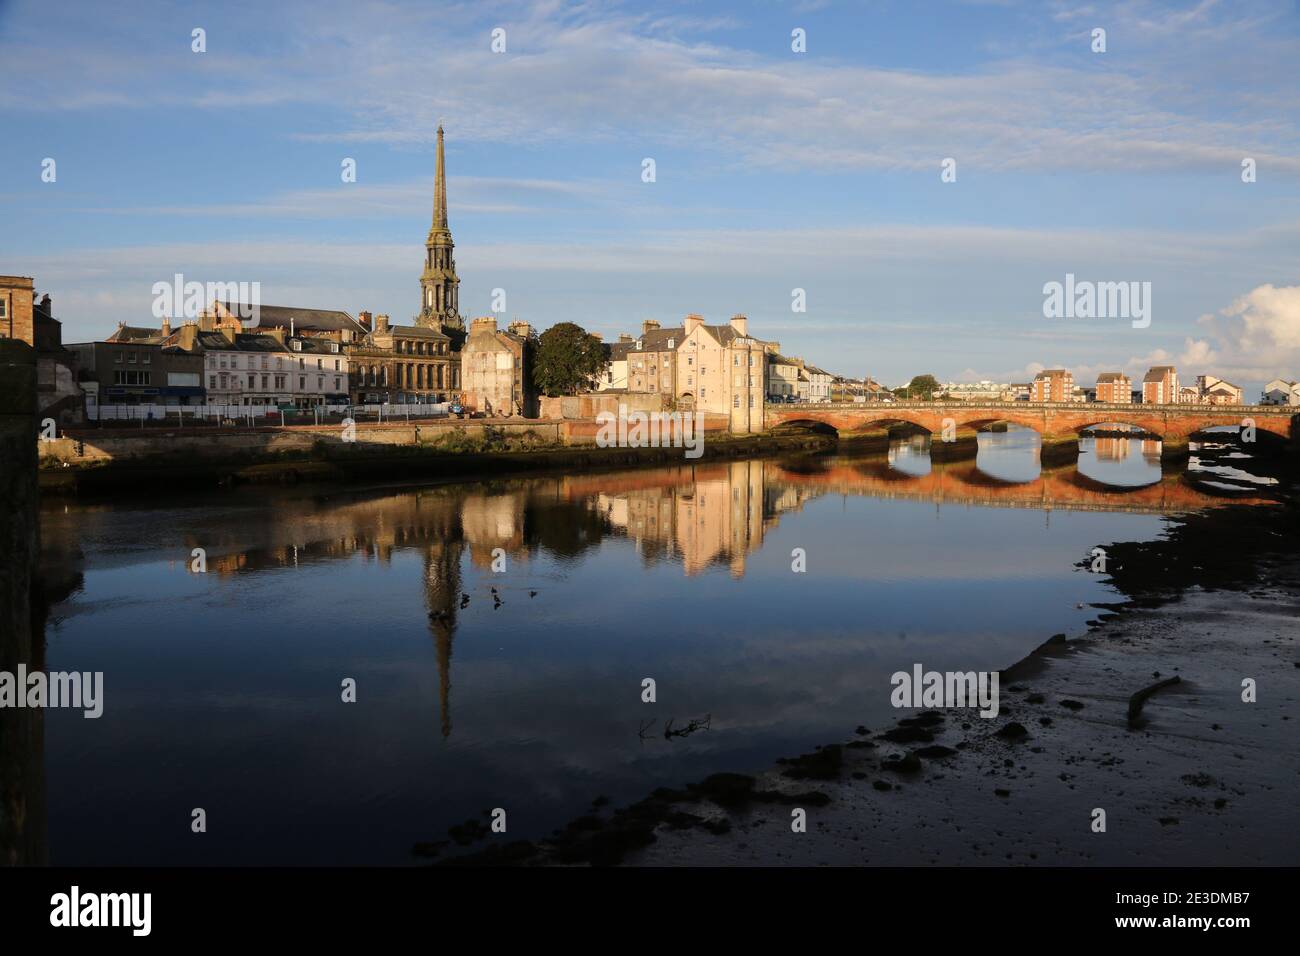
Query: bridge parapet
x=1054, y=421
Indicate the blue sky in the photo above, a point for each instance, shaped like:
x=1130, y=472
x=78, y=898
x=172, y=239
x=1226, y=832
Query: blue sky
x=776, y=170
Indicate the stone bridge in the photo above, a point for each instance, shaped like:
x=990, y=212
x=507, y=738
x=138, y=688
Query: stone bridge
x=1057, y=423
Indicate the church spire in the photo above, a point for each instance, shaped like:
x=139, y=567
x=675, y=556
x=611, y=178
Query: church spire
x=439, y=286
x=440, y=189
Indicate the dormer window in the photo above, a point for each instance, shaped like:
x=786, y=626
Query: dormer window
x=670, y=343
x=639, y=343
x=297, y=345
x=334, y=347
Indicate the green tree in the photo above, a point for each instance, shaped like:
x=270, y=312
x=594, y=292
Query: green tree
x=923, y=386
x=568, y=360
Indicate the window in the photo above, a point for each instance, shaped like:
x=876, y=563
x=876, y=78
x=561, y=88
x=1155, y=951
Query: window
x=297, y=345
x=279, y=382
x=320, y=363
x=212, y=381
x=302, y=383
x=223, y=361
x=690, y=360
x=702, y=394
x=751, y=401
x=735, y=360
x=735, y=401
x=336, y=365
x=117, y=358
x=252, y=381
x=263, y=361
x=336, y=383
x=4, y=307
x=224, y=381
x=264, y=382
x=132, y=358
x=146, y=358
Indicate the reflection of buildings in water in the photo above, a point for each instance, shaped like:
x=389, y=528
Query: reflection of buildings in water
x=492, y=521
x=706, y=516
x=1111, y=449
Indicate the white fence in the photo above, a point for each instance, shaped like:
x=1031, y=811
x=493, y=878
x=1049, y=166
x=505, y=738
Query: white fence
x=260, y=414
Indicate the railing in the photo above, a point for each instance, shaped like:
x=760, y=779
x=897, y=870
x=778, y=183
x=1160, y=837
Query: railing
x=1189, y=407
x=255, y=415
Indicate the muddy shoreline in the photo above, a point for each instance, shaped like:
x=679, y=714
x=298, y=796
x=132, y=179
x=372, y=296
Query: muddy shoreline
x=1197, y=777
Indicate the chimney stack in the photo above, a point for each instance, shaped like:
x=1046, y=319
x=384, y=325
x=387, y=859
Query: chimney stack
x=364, y=319
x=693, y=322
x=166, y=329
x=741, y=324
x=649, y=325
x=381, y=323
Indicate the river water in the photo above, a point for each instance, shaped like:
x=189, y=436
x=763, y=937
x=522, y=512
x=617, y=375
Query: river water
x=223, y=688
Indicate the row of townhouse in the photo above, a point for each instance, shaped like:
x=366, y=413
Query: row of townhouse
x=280, y=356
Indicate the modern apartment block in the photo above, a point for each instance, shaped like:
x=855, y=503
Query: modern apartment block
x=1160, y=385
x=1114, y=388
x=1052, y=385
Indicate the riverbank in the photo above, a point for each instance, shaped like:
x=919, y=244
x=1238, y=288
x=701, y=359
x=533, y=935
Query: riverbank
x=450, y=455
x=1196, y=776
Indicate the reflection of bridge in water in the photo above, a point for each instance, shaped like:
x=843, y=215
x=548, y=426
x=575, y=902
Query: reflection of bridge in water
x=1058, y=488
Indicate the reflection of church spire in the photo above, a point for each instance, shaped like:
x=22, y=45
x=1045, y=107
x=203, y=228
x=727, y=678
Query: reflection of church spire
x=442, y=589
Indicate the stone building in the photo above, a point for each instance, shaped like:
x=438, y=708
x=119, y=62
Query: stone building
x=23, y=317
x=403, y=364
x=722, y=369
x=136, y=366
x=496, y=369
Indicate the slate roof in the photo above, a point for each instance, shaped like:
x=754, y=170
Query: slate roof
x=279, y=316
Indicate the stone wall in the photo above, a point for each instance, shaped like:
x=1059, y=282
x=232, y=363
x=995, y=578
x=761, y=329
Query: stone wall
x=22, y=814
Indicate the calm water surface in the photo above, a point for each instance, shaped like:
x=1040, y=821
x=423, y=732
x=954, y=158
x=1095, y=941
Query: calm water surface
x=223, y=689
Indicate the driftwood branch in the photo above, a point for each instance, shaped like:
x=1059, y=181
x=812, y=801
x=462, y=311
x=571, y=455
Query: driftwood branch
x=1137, y=700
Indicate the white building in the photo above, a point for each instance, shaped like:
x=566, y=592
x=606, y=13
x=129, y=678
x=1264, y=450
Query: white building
x=814, y=384
x=1281, y=392
x=265, y=369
